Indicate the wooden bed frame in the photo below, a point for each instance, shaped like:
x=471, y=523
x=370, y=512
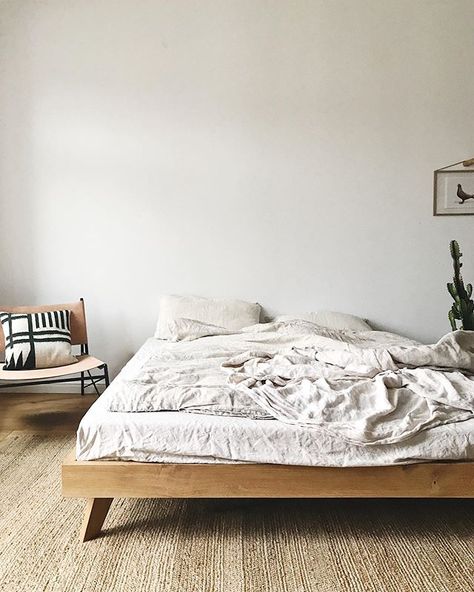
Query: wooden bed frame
x=101, y=481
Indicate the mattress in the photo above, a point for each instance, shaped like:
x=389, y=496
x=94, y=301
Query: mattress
x=180, y=437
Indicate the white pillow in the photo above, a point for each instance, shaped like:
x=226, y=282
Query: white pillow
x=330, y=320
x=189, y=330
x=232, y=315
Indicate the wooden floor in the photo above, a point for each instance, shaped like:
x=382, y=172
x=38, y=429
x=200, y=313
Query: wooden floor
x=40, y=413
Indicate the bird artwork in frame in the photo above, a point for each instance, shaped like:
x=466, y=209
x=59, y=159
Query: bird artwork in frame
x=454, y=189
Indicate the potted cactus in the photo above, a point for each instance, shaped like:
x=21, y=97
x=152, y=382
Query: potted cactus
x=463, y=307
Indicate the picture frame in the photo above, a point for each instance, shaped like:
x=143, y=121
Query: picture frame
x=453, y=191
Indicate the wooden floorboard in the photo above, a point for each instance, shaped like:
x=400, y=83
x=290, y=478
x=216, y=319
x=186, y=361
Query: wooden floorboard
x=39, y=413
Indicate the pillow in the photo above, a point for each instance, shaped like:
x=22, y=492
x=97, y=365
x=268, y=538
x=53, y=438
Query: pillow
x=37, y=340
x=331, y=320
x=189, y=330
x=232, y=315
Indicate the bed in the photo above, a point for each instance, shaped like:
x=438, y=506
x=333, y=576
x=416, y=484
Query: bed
x=191, y=452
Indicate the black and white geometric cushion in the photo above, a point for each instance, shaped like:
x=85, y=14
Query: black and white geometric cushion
x=37, y=340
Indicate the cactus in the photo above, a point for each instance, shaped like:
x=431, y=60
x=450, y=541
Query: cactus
x=463, y=307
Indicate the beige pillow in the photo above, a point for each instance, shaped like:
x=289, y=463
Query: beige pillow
x=330, y=320
x=189, y=330
x=232, y=315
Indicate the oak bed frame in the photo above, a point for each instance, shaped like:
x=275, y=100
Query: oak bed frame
x=101, y=481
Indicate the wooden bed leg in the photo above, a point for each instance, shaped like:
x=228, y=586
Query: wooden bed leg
x=94, y=516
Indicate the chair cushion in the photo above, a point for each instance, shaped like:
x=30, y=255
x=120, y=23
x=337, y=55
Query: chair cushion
x=37, y=340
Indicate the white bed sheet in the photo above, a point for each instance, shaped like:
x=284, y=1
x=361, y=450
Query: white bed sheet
x=180, y=437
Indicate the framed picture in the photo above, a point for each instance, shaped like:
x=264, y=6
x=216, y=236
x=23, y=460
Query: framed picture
x=453, y=191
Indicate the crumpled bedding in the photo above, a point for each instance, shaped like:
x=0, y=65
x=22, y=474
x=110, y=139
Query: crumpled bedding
x=367, y=387
x=189, y=375
x=366, y=396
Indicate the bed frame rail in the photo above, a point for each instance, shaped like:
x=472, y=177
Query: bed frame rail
x=101, y=481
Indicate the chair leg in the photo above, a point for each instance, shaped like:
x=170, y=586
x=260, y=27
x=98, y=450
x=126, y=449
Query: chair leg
x=82, y=384
x=106, y=375
x=93, y=382
x=94, y=516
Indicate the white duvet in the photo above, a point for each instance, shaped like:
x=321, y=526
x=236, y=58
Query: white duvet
x=365, y=388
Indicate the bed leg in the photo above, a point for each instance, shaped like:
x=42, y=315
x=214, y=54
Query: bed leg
x=94, y=516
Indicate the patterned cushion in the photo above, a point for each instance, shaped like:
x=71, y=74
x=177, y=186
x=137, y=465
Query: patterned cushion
x=37, y=340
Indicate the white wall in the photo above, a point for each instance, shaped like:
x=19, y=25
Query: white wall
x=273, y=151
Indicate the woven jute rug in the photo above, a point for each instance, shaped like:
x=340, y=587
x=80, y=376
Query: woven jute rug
x=222, y=545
